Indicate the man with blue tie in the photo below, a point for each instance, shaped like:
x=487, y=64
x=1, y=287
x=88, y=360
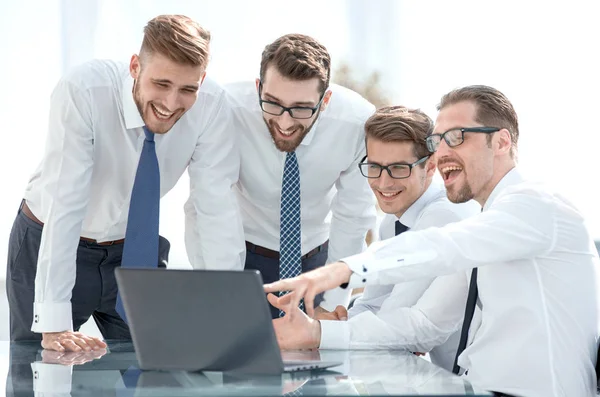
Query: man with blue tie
x=408, y=316
x=302, y=198
x=119, y=138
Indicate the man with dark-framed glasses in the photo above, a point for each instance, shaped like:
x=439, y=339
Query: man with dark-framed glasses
x=531, y=320
x=407, y=315
x=303, y=200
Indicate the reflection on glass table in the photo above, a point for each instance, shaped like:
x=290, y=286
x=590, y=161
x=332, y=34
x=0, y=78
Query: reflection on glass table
x=33, y=371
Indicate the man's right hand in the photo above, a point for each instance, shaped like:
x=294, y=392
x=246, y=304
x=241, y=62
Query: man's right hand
x=71, y=341
x=339, y=314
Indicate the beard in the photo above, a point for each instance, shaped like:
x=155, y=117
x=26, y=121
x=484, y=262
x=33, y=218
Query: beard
x=289, y=145
x=462, y=195
x=154, y=127
x=137, y=98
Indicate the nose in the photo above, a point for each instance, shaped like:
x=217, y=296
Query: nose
x=384, y=180
x=172, y=100
x=285, y=121
x=443, y=149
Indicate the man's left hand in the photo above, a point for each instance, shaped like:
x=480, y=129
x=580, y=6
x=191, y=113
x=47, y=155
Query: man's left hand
x=295, y=330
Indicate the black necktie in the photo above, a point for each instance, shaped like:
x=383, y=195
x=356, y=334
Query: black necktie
x=469, y=311
x=400, y=228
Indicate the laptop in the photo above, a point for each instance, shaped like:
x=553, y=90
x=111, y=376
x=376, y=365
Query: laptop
x=203, y=320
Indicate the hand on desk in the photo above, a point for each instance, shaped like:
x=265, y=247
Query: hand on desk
x=339, y=314
x=295, y=330
x=309, y=284
x=71, y=358
x=71, y=341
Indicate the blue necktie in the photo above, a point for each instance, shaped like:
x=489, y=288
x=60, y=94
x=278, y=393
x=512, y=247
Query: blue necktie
x=141, y=237
x=290, y=246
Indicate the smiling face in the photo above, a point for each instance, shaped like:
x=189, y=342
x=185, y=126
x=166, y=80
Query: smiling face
x=468, y=170
x=288, y=132
x=395, y=196
x=164, y=89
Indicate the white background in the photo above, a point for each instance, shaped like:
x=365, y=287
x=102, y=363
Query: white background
x=543, y=56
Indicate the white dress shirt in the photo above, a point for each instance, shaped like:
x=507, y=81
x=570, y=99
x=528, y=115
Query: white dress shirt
x=535, y=328
x=83, y=185
x=409, y=315
x=336, y=201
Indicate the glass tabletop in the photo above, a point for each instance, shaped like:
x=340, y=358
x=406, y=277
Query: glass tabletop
x=33, y=371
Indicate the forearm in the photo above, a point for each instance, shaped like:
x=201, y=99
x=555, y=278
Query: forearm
x=520, y=229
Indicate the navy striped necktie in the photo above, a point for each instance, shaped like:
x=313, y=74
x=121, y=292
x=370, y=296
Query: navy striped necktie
x=290, y=242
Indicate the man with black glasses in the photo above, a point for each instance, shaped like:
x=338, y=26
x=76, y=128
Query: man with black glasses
x=304, y=202
x=405, y=316
x=531, y=319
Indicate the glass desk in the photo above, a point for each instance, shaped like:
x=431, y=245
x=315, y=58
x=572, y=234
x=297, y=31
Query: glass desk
x=32, y=371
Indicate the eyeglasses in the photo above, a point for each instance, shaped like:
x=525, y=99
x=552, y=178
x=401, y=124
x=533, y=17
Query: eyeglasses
x=455, y=137
x=296, y=112
x=396, y=171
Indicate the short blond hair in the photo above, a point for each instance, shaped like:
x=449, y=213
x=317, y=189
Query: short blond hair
x=177, y=37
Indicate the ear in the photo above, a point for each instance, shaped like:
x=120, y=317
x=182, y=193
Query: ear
x=504, y=141
x=431, y=165
x=134, y=66
x=257, y=84
x=326, y=99
x=202, y=79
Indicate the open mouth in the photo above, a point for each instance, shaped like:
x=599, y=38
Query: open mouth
x=286, y=134
x=449, y=174
x=161, y=114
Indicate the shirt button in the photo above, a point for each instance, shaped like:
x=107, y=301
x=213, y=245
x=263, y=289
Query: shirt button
x=36, y=318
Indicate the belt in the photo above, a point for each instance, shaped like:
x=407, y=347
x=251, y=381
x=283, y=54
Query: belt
x=27, y=212
x=262, y=251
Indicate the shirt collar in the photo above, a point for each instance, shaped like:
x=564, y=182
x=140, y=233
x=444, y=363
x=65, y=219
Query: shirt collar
x=309, y=137
x=132, y=116
x=410, y=216
x=512, y=177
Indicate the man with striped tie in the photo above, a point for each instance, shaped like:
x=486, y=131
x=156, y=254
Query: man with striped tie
x=302, y=198
x=400, y=171
x=119, y=138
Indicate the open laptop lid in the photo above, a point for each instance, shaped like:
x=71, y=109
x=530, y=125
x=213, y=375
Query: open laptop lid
x=201, y=320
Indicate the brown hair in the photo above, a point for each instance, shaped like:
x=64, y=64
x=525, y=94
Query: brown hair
x=298, y=57
x=493, y=109
x=177, y=37
x=400, y=124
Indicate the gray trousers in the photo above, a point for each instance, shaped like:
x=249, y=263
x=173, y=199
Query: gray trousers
x=269, y=270
x=95, y=291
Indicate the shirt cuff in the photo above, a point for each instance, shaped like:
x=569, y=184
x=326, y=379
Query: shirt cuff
x=51, y=378
x=335, y=297
x=334, y=335
x=356, y=263
x=52, y=317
